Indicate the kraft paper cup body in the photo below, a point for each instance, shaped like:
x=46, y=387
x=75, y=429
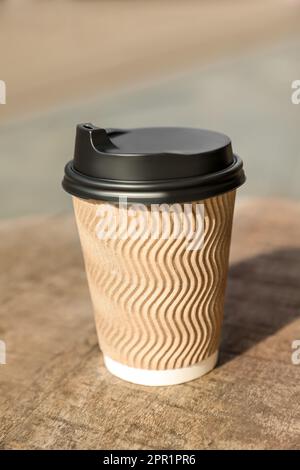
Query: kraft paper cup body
x=158, y=305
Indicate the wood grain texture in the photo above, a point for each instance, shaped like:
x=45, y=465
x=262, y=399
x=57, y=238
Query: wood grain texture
x=158, y=305
x=55, y=392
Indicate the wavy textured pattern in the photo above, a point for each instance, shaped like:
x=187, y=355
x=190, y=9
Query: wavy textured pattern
x=157, y=304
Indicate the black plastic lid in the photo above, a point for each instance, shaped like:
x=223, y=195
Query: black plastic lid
x=151, y=165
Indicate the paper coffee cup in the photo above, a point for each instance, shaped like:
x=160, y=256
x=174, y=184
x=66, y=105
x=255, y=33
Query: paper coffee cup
x=154, y=211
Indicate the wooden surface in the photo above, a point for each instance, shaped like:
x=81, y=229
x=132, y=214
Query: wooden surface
x=55, y=392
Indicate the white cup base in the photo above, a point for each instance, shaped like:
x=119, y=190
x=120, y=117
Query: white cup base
x=160, y=377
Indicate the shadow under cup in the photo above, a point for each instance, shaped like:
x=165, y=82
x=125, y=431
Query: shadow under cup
x=156, y=264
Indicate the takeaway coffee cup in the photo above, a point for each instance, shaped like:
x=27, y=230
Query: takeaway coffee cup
x=154, y=210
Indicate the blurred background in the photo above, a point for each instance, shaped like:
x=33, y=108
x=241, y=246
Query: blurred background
x=226, y=65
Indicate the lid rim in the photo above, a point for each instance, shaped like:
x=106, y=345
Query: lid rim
x=172, y=190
